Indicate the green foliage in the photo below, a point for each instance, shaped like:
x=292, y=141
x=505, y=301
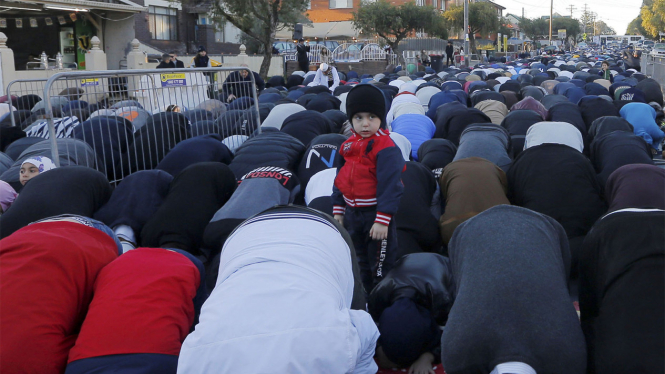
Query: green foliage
x=503, y=27
x=483, y=19
x=535, y=29
x=571, y=25
x=394, y=23
x=635, y=27
x=259, y=19
x=653, y=17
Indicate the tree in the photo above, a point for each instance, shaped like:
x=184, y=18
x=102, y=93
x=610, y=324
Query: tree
x=259, y=20
x=635, y=27
x=571, y=25
x=653, y=17
x=604, y=29
x=395, y=23
x=483, y=19
x=535, y=29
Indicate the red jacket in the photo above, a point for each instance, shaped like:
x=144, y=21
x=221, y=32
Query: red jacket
x=371, y=175
x=47, y=272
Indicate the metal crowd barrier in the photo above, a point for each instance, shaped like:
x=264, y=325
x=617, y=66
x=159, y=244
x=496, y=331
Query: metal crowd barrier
x=655, y=68
x=128, y=135
x=346, y=52
x=373, y=52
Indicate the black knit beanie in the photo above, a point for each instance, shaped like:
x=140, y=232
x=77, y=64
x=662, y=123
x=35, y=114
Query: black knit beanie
x=366, y=98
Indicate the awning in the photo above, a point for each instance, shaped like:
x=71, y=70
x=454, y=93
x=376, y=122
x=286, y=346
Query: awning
x=120, y=6
x=322, y=30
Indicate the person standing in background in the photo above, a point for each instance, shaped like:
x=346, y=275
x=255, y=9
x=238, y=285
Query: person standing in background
x=174, y=58
x=201, y=60
x=303, y=60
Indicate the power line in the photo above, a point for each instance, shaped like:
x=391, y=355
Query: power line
x=571, y=7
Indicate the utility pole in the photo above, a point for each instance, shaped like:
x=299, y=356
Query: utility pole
x=584, y=19
x=467, y=52
x=571, y=7
x=551, y=14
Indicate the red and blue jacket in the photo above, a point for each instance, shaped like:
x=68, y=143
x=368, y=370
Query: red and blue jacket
x=371, y=176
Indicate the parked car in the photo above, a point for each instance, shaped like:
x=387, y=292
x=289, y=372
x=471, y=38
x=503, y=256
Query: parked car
x=284, y=47
x=330, y=44
x=658, y=50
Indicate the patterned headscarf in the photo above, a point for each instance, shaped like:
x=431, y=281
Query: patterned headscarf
x=42, y=163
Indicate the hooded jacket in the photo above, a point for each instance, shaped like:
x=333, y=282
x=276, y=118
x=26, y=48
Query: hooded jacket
x=643, y=118
x=205, y=148
x=488, y=141
x=268, y=148
x=371, y=175
x=616, y=149
x=48, y=272
x=415, y=127
x=236, y=329
x=519, y=249
x=145, y=303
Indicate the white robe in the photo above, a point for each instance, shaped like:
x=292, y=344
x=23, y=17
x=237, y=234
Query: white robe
x=554, y=132
x=281, y=304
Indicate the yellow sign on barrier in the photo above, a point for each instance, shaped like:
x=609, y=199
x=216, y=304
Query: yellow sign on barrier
x=173, y=80
x=89, y=82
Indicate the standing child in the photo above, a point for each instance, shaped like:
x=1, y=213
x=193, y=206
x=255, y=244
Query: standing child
x=605, y=72
x=369, y=184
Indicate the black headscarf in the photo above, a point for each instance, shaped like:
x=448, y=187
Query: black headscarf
x=206, y=148
x=194, y=197
x=436, y=154
x=517, y=123
x=607, y=124
x=596, y=107
x=135, y=200
x=616, y=149
x=65, y=190
x=636, y=186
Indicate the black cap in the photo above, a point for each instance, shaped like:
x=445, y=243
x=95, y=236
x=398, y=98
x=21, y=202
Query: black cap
x=202, y=48
x=366, y=98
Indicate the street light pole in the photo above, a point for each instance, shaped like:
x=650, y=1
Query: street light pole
x=467, y=52
x=551, y=13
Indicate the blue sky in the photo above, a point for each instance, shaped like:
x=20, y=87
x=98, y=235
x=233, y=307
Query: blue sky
x=616, y=13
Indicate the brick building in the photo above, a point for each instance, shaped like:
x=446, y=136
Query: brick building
x=169, y=26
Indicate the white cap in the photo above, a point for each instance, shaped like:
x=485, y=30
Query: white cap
x=323, y=67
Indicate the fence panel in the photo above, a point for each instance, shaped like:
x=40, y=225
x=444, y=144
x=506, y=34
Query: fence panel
x=346, y=52
x=373, y=52
x=132, y=118
x=654, y=67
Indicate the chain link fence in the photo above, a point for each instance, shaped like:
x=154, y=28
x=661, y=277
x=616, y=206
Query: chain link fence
x=654, y=67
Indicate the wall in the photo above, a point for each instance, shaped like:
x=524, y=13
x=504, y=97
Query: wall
x=185, y=20
x=116, y=38
x=254, y=62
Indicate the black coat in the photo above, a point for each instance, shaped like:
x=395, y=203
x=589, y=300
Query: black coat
x=306, y=125
x=558, y=181
x=594, y=108
x=436, y=154
x=75, y=190
x=622, y=294
x=194, y=196
x=273, y=148
x=417, y=228
x=425, y=278
x=151, y=142
x=322, y=153
x=206, y=148
x=135, y=200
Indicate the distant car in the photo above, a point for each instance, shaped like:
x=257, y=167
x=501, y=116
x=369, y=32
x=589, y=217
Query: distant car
x=658, y=49
x=582, y=45
x=330, y=44
x=284, y=47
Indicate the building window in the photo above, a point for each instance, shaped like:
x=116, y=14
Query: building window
x=219, y=37
x=340, y=4
x=420, y=2
x=309, y=4
x=163, y=23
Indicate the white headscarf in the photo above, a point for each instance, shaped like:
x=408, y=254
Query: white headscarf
x=554, y=132
x=42, y=163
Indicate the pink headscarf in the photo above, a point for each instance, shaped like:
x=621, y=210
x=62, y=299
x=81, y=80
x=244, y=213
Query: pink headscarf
x=7, y=195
